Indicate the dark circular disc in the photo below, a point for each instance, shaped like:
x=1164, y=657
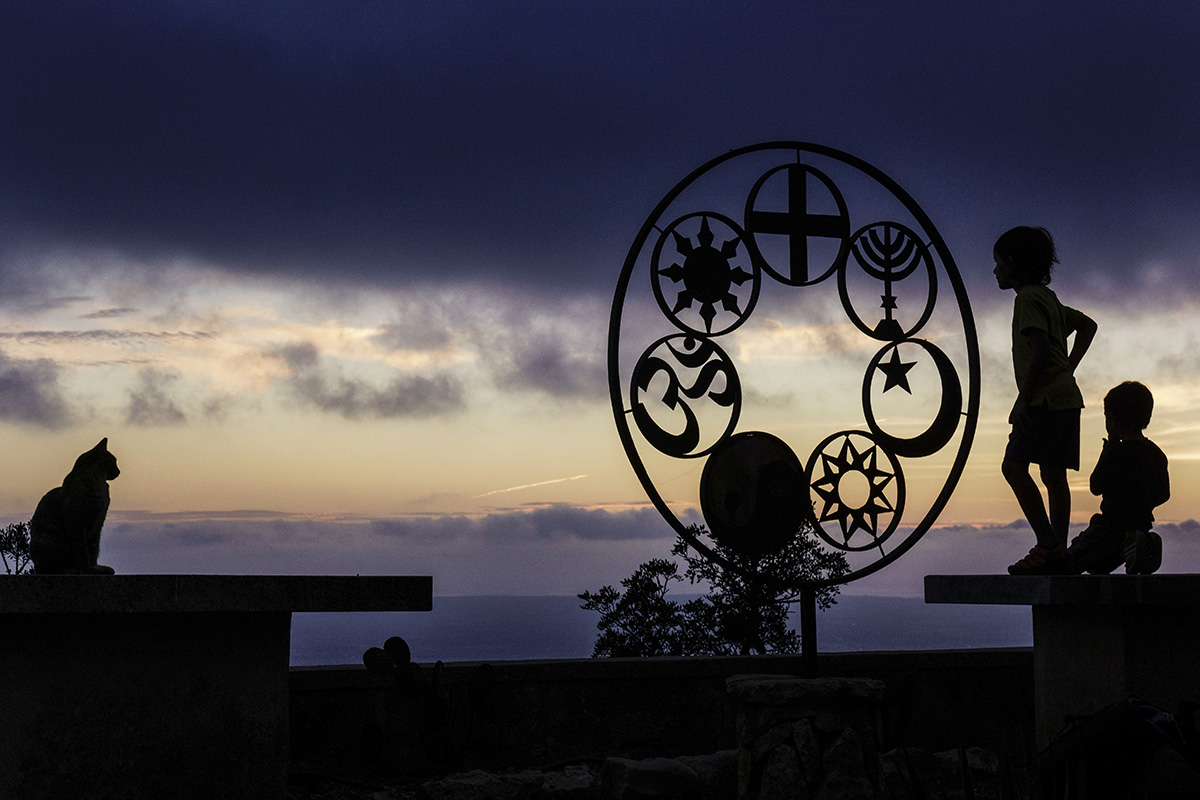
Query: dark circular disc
x=753, y=493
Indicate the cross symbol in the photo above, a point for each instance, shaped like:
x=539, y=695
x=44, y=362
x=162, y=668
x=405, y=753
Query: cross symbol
x=796, y=222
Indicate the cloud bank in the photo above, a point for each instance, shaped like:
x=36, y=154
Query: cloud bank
x=30, y=393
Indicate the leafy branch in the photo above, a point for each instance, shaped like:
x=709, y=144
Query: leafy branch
x=744, y=611
x=14, y=548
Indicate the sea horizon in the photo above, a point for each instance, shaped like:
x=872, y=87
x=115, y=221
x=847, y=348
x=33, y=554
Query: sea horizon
x=517, y=628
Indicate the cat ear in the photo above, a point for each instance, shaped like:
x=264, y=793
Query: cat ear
x=103, y=445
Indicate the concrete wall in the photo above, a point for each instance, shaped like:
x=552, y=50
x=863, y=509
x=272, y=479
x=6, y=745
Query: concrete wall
x=350, y=722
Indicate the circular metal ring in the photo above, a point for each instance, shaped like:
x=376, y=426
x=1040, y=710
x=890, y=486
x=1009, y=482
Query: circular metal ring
x=882, y=259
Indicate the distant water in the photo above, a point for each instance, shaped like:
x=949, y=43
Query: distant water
x=516, y=628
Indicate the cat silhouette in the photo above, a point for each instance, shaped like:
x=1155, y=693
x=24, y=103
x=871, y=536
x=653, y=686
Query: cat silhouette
x=64, y=534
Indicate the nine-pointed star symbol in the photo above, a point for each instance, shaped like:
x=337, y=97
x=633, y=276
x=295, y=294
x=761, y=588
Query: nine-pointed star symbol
x=866, y=516
x=706, y=274
x=896, y=372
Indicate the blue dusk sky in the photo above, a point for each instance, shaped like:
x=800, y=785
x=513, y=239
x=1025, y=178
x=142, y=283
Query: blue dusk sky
x=334, y=279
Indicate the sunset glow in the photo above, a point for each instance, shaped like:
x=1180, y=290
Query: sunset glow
x=341, y=303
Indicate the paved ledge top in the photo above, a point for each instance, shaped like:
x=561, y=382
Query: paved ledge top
x=1045, y=590
x=100, y=594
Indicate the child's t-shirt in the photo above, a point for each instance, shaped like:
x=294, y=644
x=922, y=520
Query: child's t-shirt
x=1131, y=478
x=1038, y=308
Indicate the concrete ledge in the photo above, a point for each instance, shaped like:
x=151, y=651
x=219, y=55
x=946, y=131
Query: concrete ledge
x=139, y=687
x=1096, y=638
x=102, y=594
x=1049, y=590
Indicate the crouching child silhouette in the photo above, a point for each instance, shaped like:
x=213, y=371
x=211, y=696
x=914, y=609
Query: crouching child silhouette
x=64, y=534
x=1131, y=479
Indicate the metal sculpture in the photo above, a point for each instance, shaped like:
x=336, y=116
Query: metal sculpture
x=772, y=221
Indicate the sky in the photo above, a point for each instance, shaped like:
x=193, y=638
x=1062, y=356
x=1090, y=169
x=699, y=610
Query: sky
x=334, y=279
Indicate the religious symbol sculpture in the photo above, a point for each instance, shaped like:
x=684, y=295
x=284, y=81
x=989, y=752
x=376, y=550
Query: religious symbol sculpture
x=778, y=290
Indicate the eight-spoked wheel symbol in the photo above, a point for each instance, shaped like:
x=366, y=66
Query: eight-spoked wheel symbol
x=716, y=283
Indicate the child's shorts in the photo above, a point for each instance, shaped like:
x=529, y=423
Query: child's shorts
x=1048, y=438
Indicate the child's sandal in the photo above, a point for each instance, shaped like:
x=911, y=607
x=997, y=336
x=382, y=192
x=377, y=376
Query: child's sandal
x=1042, y=561
x=1143, y=552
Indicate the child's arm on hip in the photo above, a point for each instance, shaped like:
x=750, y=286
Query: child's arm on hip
x=1085, y=331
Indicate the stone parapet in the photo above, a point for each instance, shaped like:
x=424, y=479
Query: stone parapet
x=1064, y=590
x=186, y=594
x=126, y=687
x=808, y=737
x=1097, y=639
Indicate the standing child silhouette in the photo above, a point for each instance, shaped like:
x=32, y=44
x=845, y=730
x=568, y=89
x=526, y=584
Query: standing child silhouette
x=1045, y=416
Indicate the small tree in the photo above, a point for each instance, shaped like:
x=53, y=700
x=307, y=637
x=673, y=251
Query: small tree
x=745, y=610
x=641, y=621
x=14, y=548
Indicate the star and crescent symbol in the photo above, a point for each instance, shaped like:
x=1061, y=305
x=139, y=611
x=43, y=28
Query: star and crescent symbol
x=896, y=372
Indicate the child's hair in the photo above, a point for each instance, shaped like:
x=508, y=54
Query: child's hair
x=1030, y=250
x=1130, y=403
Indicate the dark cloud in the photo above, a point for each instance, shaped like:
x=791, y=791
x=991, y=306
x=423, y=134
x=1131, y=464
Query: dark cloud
x=1174, y=531
x=516, y=552
x=418, y=329
x=30, y=393
x=549, y=364
x=444, y=529
x=174, y=517
x=316, y=385
x=525, y=142
x=57, y=337
x=30, y=300
x=555, y=522
x=565, y=521
x=456, y=550
x=150, y=404
x=109, y=313
x=218, y=407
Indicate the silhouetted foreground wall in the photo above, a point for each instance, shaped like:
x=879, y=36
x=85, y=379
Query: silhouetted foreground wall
x=347, y=721
x=140, y=687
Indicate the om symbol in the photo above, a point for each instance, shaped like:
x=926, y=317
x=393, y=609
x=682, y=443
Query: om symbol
x=713, y=385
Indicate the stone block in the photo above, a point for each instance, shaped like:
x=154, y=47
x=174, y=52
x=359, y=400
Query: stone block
x=847, y=773
x=478, y=784
x=574, y=783
x=782, y=776
x=717, y=772
x=651, y=778
x=809, y=750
